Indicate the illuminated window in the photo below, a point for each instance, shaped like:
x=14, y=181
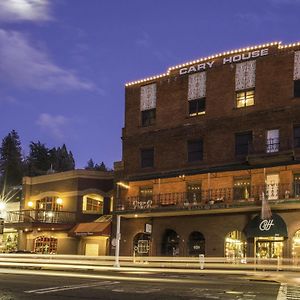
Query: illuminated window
x=197, y=107
x=241, y=188
x=243, y=142
x=148, y=117
x=92, y=204
x=245, y=98
x=146, y=193
x=147, y=158
x=49, y=204
x=235, y=246
x=45, y=245
x=297, y=185
x=193, y=192
x=273, y=141
x=195, y=150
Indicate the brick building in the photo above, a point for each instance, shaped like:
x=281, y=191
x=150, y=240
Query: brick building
x=64, y=213
x=204, y=145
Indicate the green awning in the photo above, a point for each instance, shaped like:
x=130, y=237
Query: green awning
x=266, y=228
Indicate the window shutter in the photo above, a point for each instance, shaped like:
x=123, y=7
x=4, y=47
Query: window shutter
x=148, y=97
x=297, y=65
x=197, y=86
x=245, y=75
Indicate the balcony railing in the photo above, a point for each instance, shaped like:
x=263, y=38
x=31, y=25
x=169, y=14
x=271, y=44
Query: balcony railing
x=214, y=198
x=40, y=216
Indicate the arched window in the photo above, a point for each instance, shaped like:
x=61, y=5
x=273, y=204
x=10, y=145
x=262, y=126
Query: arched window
x=45, y=245
x=92, y=203
x=296, y=247
x=170, y=243
x=196, y=244
x=52, y=203
x=141, y=244
x=235, y=245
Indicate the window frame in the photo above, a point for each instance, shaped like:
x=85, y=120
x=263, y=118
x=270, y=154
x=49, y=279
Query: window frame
x=193, y=153
x=148, y=117
x=197, y=112
x=296, y=139
x=237, y=100
x=297, y=88
x=249, y=142
x=143, y=159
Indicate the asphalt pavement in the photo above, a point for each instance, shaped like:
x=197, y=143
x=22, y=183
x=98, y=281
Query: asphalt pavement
x=39, y=284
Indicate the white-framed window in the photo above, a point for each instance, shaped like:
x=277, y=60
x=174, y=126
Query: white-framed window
x=148, y=104
x=92, y=204
x=272, y=143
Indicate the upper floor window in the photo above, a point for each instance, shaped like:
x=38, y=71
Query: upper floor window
x=245, y=83
x=146, y=193
x=296, y=136
x=243, y=141
x=195, y=150
x=245, y=98
x=297, y=74
x=148, y=104
x=49, y=204
x=241, y=188
x=92, y=204
x=197, y=93
x=147, y=158
x=272, y=144
x=193, y=192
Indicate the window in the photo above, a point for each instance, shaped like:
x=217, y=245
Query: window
x=148, y=104
x=146, y=193
x=241, y=188
x=272, y=144
x=194, y=192
x=297, y=185
x=197, y=107
x=297, y=88
x=197, y=93
x=148, y=117
x=92, y=204
x=296, y=136
x=244, y=98
x=45, y=245
x=147, y=158
x=195, y=150
x=49, y=204
x=242, y=143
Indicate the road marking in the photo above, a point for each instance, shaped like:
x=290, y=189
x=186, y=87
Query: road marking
x=282, y=292
x=69, y=287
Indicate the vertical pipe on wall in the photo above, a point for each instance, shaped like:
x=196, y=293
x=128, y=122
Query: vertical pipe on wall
x=118, y=238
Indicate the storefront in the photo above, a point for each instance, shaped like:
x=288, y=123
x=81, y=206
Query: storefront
x=9, y=240
x=268, y=236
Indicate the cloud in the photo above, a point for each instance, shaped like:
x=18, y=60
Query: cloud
x=52, y=124
x=24, y=10
x=26, y=66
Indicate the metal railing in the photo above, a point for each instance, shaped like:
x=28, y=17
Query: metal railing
x=40, y=216
x=213, y=198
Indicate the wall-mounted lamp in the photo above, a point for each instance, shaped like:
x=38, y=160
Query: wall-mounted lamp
x=30, y=204
x=122, y=184
x=59, y=201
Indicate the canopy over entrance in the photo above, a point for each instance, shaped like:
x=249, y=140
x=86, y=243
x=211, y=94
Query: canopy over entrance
x=266, y=228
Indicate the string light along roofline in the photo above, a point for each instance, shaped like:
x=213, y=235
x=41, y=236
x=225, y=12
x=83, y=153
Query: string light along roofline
x=280, y=46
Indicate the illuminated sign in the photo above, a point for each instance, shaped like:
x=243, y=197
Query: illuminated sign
x=226, y=60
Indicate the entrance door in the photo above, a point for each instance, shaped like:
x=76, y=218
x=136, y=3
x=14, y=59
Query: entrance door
x=272, y=186
x=269, y=248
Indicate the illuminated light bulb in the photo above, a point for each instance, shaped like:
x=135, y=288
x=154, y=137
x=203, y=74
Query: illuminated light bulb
x=59, y=201
x=2, y=205
x=30, y=204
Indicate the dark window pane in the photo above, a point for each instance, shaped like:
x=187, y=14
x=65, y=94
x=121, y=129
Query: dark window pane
x=242, y=142
x=195, y=150
x=297, y=136
x=147, y=158
x=148, y=117
x=297, y=88
x=197, y=107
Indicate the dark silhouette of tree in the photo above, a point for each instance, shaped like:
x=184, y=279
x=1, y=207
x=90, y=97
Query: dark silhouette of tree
x=11, y=161
x=92, y=166
x=61, y=159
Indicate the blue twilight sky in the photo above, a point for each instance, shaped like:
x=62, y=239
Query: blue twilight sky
x=63, y=63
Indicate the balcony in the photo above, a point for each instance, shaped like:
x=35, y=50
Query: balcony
x=214, y=198
x=40, y=216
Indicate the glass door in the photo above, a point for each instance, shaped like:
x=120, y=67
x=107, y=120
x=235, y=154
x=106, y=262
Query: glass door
x=272, y=186
x=269, y=248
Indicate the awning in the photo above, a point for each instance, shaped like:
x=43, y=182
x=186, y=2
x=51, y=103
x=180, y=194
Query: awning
x=274, y=227
x=92, y=228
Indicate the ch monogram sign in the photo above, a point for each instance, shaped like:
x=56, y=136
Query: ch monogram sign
x=265, y=225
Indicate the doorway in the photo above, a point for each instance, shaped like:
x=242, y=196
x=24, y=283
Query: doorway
x=272, y=186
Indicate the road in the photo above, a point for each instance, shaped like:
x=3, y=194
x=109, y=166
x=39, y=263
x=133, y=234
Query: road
x=39, y=284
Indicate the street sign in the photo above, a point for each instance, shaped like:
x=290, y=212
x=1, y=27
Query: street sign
x=1, y=225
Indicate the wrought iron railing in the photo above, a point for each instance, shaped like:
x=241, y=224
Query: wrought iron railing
x=214, y=198
x=40, y=216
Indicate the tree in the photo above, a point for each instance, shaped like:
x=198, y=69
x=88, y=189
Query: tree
x=38, y=160
x=61, y=159
x=90, y=165
x=11, y=162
